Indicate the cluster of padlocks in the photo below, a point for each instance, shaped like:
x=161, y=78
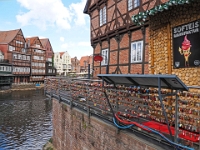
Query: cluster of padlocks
x=134, y=101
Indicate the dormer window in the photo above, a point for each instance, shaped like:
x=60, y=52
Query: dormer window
x=133, y=4
x=102, y=16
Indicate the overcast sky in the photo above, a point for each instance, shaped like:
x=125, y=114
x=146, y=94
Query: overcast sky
x=62, y=21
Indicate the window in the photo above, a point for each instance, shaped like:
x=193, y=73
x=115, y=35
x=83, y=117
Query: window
x=24, y=57
x=133, y=4
x=136, y=51
x=14, y=56
x=11, y=48
x=102, y=16
x=19, y=42
x=19, y=56
x=49, y=59
x=27, y=57
x=105, y=57
x=23, y=50
x=1, y=55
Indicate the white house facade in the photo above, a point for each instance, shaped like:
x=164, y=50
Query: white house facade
x=62, y=62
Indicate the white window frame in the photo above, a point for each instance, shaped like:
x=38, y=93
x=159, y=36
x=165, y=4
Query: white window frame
x=1, y=55
x=11, y=48
x=136, y=3
x=136, y=48
x=133, y=4
x=19, y=42
x=19, y=56
x=102, y=16
x=104, y=54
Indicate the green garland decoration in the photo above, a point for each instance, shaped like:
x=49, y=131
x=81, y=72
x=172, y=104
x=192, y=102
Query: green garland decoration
x=141, y=17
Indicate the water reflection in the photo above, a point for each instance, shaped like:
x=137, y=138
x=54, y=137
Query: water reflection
x=25, y=120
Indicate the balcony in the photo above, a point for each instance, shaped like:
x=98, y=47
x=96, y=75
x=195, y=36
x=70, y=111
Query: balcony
x=4, y=61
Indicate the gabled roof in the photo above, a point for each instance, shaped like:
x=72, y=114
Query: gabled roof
x=87, y=59
x=7, y=36
x=86, y=7
x=44, y=42
x=73, y=59
x=32, y=40
x=61, y=53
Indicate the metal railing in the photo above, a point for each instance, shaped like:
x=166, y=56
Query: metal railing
x=132, y=104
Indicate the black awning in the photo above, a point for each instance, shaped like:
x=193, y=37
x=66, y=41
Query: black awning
x=166, y=81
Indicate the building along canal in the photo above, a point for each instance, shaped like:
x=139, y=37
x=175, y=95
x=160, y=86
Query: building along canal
x=25, y=120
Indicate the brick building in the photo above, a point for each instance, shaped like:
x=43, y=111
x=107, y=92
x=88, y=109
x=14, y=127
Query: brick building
x=85, y=61
x=50, y=69
x=122, y=44
x=75, y=65
x=13, y=46
x=38, y=59
x=6, y=76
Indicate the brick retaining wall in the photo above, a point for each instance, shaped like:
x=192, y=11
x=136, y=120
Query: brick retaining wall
x=73, y=130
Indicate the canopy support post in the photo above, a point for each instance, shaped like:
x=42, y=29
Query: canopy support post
x=161, y=102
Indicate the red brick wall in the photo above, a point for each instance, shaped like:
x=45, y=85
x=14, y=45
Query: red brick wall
x=4, y=49
x=72, y=130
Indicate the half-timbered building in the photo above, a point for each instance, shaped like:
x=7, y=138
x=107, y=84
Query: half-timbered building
x=75, y=64
x=122, y=44
x=86, y=63
x=38, y=59
x=50, y=69
x=12, y=44
x=6, y=77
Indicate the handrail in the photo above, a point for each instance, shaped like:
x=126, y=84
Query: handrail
x=85, y=86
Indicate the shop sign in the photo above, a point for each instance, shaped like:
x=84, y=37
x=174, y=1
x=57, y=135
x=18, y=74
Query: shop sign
x=186, y=45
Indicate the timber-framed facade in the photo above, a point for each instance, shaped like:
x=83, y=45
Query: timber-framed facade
x=123, y=44
x=13, y=45
x=38, y=59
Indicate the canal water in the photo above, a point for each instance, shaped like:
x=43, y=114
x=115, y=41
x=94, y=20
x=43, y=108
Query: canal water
x=25, y=120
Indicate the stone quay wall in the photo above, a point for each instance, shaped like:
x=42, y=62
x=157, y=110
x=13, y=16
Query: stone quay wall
x=74, y=130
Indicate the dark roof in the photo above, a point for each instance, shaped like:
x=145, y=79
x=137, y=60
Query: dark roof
x=7, y=36
x=145, y=80
x=86, y=7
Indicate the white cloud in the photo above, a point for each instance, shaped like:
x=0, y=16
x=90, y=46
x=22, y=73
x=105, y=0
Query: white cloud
x=78, y=8
x=44, y=13
x=68, y=45
x=62, y=39
x=84, y=44
x=42, y=37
